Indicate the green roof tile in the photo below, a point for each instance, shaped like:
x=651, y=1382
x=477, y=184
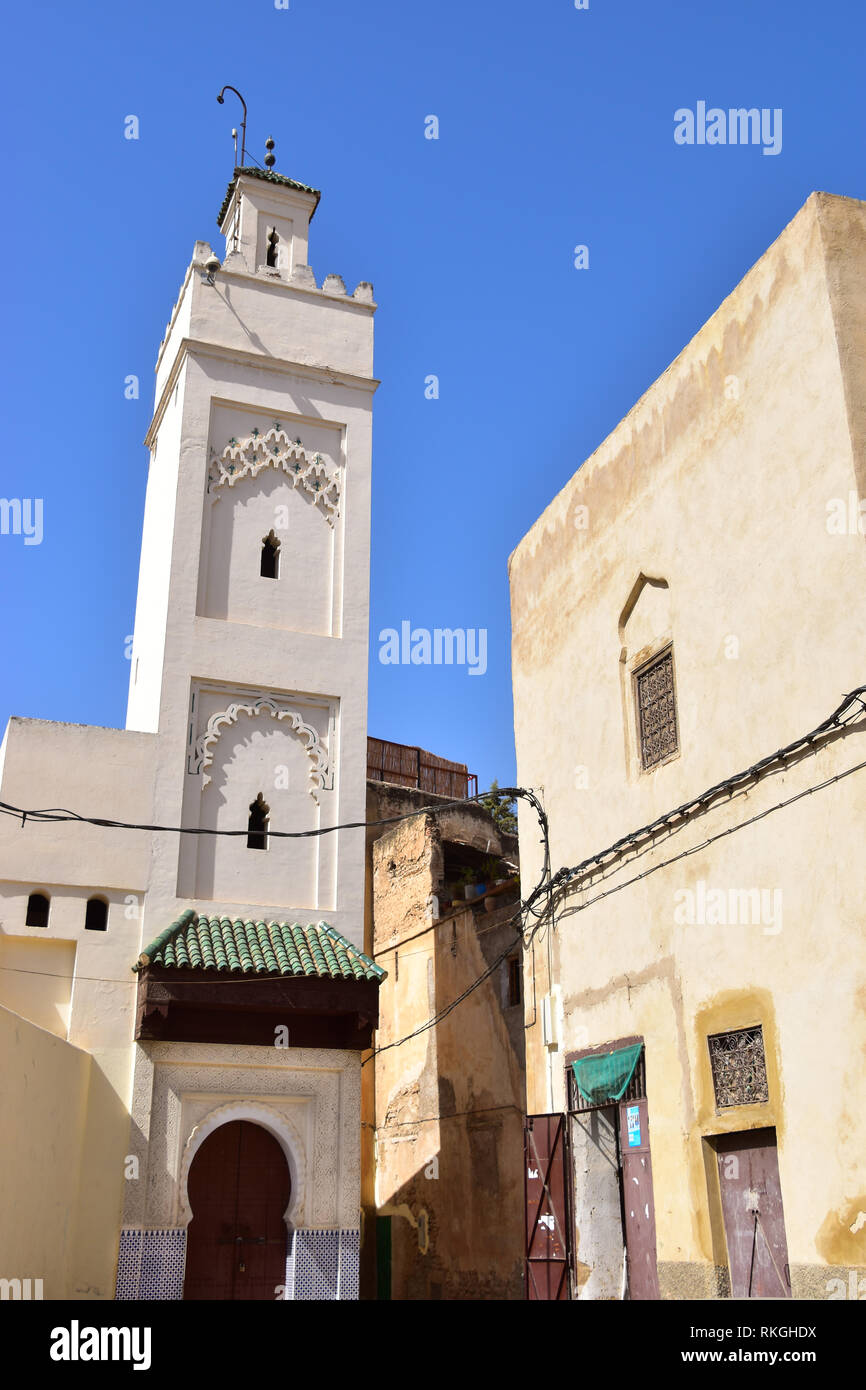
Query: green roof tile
x=196, y=941
x=268, y=176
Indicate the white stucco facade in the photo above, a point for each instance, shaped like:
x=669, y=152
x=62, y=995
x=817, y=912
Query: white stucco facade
x=244, y=683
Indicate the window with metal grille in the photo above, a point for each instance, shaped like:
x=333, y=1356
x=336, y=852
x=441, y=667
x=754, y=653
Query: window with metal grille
x=739, y=1067
x=656, y=710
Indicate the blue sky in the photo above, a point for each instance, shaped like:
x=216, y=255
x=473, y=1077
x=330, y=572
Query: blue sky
x=556, y=129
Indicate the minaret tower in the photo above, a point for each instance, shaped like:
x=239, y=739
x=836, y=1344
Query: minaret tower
x=251, y=631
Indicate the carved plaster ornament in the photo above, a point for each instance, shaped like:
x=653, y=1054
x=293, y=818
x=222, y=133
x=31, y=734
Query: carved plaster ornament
x=320, y=769
x=246, y=458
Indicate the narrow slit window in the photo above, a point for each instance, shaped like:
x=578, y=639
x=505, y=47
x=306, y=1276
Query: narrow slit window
x=37, y=910
x=657, y=710
x=273, y=243
x=257, y=826
x=270, y=565
x=514, y=980
x=96, y=915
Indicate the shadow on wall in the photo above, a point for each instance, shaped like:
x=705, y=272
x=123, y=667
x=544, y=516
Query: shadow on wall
x=61, y=1164
x=457, y=1224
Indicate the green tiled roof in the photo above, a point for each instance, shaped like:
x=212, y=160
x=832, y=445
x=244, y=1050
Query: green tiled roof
x=198, y=942
x=269, y=177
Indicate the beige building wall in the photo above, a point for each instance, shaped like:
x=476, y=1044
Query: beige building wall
x=75, y=984
x=722, y=515
x=54, y=1227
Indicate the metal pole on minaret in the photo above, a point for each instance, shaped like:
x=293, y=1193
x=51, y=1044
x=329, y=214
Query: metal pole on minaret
x=221, y=100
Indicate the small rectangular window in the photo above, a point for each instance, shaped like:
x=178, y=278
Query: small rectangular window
x=739, y=1067
x=514, y=981
x=656, y=710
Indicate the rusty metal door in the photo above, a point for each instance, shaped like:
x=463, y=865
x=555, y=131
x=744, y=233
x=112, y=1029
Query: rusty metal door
x=639, y=1217
x=238, y=1190
x=753, y=1214
x=547, y=1220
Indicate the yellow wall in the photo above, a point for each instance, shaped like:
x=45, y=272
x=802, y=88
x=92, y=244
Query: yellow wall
x=36, y=979
x=61, y=1168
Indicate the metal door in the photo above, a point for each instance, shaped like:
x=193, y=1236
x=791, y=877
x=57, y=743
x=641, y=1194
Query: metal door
x=547, y=1227
x=753, y=1214
x=639, y=1217
x=238, y=1191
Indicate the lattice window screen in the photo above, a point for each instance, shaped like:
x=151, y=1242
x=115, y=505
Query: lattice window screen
x=739, y=1067
x=657, y=713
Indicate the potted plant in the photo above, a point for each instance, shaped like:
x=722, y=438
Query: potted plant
x=469, y=879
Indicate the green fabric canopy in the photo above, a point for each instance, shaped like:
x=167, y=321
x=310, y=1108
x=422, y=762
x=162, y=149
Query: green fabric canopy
x=606, y=1076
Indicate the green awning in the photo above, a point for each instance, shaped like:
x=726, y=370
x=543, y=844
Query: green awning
x=606, y=1076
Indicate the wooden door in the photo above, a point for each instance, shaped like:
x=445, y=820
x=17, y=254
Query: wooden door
x=638, y=1203
x=753, y=1215
x=238, y=1191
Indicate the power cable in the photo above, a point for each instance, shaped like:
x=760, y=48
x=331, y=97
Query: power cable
x=53, y=815
x=839, y=719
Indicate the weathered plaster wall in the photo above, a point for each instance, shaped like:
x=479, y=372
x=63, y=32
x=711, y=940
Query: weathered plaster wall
x=717, y=485
x=449, y=1102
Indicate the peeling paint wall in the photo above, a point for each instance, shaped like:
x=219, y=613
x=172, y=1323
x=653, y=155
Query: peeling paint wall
x=705, y=520
x=448, y=1105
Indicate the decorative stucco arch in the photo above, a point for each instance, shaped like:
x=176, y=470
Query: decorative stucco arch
x=246, y=458
x=320, y=770
x=277, y=1124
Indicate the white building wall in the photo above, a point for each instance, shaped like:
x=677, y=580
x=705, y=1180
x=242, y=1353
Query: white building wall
x=285, y=663
x=223, y=389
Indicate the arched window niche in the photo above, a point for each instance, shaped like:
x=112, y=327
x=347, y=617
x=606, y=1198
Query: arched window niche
x=38, y=907
x=96, y=915
x=257, y=826
x=270, y=561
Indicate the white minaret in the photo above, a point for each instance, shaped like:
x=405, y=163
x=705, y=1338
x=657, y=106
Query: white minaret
x=251, y=631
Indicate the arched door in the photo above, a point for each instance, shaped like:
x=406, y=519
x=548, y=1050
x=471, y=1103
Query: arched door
x=238, y=1190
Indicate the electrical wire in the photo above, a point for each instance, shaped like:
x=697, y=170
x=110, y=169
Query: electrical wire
x=428, y=1119
x=449, y=1008
x=711, y=839
x=53, y=815
x=553, y=887
x=548, y=885
x=839, y=719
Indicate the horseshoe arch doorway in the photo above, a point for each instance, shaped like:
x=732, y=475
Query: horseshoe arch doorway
x=239, y=1186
